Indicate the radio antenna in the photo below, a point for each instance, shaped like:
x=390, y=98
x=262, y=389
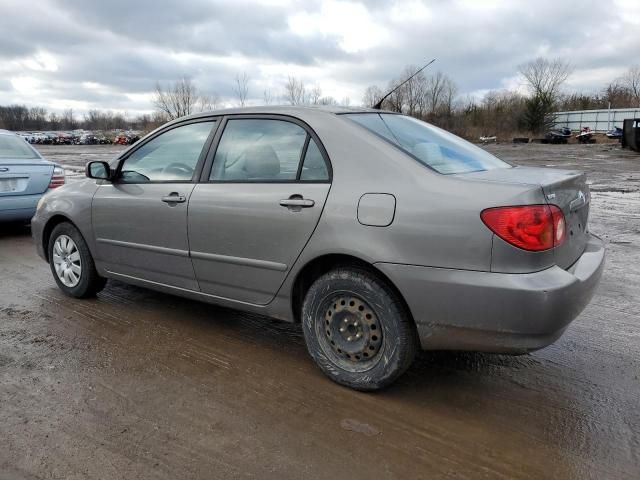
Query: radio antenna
x=378, y=105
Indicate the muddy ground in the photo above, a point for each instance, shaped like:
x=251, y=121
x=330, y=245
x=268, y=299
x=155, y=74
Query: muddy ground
x=136, y=384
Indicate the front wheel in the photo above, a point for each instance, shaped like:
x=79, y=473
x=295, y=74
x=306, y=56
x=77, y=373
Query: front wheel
x=357, y=329
x=72, y=264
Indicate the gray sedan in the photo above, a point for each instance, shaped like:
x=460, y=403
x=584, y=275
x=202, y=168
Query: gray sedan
x=380, y=233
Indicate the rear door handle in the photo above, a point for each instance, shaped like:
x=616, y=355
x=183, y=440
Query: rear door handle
x=174, y=197
x=297, y=202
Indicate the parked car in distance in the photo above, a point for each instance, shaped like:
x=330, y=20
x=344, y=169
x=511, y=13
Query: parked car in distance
x=558, y=135
x=24, y=177
x=615, y=133
x=382, y=234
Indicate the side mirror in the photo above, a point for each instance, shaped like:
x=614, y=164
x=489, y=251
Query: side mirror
x=98, y=170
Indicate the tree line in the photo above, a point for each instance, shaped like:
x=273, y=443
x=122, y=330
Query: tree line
x=433, y=97
x=23, y=118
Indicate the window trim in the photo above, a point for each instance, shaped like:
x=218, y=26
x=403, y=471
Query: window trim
x=311, y=134
x=215, y=120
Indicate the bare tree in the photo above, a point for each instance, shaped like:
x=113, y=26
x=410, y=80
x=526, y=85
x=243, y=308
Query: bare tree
x=414, y=90
x=545, y=77
x=315, y=95
x=267, y=98
x=54, y=120
x=68, y=120
x=241, y=89
x=372, y=95
x=178, y=100
x=208, y=102
x=395, y=101
x=328, y=100
x=631, y=81
x=439, y=94
x=182, y=98
x=294, y=91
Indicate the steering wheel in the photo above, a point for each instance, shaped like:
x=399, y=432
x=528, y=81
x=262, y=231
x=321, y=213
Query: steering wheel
x=178, y=168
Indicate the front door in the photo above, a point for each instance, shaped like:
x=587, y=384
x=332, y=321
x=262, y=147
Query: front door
x=140, y=219
x=255, y=213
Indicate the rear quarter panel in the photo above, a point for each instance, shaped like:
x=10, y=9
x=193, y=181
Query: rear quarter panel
x=437, y=219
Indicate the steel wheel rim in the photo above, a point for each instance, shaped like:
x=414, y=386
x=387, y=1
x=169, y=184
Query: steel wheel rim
x=350, y=332
x=66, y=261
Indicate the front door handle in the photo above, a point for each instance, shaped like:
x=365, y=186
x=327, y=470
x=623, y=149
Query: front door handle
x=297, y=202
x=174, y=197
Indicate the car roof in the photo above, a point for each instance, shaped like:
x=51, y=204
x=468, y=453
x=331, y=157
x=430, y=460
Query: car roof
x=287, y=110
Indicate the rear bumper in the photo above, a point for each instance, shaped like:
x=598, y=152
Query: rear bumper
x=18, y=207
x=497, y=312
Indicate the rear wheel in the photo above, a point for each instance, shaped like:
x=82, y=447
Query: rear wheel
x=72, y=264
x=357, y=329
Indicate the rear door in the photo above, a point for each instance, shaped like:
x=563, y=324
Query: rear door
x=140, y=220
x=255, y=211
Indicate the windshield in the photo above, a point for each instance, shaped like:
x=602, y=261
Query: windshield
x=438, y=149
x=15, y=148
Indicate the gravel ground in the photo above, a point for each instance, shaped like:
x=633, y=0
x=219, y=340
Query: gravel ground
x=137, y=384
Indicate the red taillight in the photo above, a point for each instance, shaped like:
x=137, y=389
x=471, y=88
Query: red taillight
x=57, y=179
x=530, y=227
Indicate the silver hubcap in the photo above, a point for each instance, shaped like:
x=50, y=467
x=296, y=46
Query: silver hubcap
x=66, y=261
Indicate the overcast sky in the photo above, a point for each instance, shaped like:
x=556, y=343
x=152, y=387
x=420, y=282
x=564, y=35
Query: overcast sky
x=109, y=54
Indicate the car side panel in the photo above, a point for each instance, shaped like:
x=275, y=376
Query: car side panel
x=73, y=201
x=243, y=242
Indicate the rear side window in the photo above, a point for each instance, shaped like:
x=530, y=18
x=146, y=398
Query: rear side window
x=259, y=150
x=314, y=168
x=436, y=148
x=15, y=148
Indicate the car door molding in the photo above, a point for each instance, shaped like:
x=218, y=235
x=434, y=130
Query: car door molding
x=248, y=262
x=142, y=246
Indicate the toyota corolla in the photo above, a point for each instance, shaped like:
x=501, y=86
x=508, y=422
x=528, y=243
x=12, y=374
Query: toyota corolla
x=382, y=234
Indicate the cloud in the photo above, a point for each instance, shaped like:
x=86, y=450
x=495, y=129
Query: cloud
x=91, y=54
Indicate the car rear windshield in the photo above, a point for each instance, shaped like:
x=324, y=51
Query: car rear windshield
x=438, y=149
x=15, y=148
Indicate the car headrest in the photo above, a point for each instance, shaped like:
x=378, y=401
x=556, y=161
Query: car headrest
x=261, y=161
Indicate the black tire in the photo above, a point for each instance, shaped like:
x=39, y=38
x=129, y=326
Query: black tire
x=358, y=301
x=89, y=283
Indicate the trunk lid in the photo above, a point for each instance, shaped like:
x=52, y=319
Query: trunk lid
x=24, y=177
x=567, y=189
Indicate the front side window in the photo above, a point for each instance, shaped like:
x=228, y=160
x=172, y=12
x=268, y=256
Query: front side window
x=170, y=157
x=15, y=148
x=438, y=149
x=258, y=150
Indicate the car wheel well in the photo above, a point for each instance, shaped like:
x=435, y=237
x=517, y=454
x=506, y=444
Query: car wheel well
x=52, y=223
x=321, y=265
